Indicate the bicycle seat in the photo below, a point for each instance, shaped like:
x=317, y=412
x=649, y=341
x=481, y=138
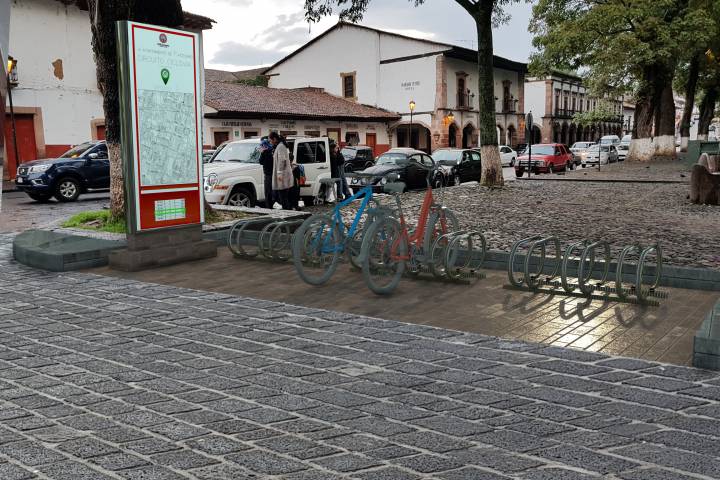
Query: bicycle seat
x=394, y=187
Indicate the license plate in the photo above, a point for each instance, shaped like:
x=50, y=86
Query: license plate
x=18, y=180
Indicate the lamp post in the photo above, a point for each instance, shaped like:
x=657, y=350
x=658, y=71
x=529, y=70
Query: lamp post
x=10, y=66
x=412, y=109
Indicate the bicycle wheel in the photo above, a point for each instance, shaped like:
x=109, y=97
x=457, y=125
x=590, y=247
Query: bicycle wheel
x=316, y=249
x=353, y=245
x=383, y=251
x=441, y=223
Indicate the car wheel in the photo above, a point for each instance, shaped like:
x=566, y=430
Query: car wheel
x=519, y=172
x=368, y=164
x=67, y=190
x=241, y=197
x=551, y=169
x=456, y=180
x=512, y=162
x=39, y=198
x=568, y=167
x=437, y=182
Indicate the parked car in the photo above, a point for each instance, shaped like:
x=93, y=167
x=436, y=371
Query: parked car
x=622, y=151
x=358, y=157
x=508, y=156
x=412, y=167
x=234, y=175
x=603, y=153
x=546, y=157
x=610, y=140
x=207, y=155
x=458, y=165
x=521, y=148
x=579, y=151
x=626, y=140
x=83, y=168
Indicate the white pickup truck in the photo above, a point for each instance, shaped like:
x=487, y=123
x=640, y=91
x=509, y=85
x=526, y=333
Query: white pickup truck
x=234, y=175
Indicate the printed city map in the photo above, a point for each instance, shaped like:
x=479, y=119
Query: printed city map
x=168, y=150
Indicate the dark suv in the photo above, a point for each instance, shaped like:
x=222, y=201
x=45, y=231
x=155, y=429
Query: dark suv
x=82, y=168
x=357, y=157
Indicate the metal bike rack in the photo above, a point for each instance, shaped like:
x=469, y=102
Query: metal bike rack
x=591, y=257
x=273, y=241
x=458, y=255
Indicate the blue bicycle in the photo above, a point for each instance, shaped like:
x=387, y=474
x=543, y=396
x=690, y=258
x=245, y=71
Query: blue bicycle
x=318, y=244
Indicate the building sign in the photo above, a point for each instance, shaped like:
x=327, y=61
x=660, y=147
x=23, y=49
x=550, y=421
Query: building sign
x=235, y=123
x=161, y=136
x=409, y=86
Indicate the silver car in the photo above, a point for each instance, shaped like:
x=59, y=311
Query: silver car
x=579, y=151
x=603, y=154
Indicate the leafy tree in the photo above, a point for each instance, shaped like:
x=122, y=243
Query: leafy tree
x=485, y=13
x=626, y=46
x=259, y=81
x=604, y=112
x=103, y=15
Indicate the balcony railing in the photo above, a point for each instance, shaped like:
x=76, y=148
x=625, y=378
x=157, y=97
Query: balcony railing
x=463, y=101
x=565, y=113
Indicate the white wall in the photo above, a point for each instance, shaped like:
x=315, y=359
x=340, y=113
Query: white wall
x=344, y=50
x=395, y=47
x=535, y=98
x=401, y=82
x=41, y=32
x=238, y=126
x=4, y=32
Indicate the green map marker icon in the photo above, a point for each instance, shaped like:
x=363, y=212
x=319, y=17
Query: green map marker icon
x=165, y=75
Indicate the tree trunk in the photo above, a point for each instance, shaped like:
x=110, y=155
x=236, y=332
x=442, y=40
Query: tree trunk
x=707, y=111
x=665, y=120
x=641, y=145
x=492, y=175
x=103, y=15
x=690, y=90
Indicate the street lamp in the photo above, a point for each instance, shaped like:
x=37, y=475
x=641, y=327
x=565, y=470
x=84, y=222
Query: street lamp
x=412, y=109
x=11, y=64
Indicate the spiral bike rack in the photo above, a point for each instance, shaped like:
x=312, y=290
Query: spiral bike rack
x=592, y=257
x=272, y=242
x=458, y=256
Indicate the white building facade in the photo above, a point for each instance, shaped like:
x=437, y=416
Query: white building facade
x=390, y=71
x=556, y=99
x=56, y=100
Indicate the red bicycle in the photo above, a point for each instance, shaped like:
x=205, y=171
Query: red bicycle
x=389, y=248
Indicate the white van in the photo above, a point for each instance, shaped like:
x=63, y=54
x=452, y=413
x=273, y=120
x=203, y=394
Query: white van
x=610, y=140
x=234, y=176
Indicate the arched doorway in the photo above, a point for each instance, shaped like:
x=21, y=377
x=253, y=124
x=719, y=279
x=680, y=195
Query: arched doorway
x=556, y=133
x=536, y=134
x=500, y=133
x=564, y=134
x=573, y=134
x=452, y=136
x=512, y=140
x=420, y=137
x=467, y=136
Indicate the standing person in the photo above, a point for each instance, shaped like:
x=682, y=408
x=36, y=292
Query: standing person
x=282, y=180
x=337, y=170
x=266, y=160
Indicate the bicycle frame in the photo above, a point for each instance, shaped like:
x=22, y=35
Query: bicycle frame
x=366, y=193
x=418, y=236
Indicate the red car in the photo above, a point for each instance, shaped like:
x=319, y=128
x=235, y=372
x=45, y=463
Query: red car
x=546, y=157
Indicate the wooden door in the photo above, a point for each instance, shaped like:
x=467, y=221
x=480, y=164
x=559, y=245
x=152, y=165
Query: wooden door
x=334, y=135
x=27, y=148
x=221, y=137
x=100, y=129
x=371, y=141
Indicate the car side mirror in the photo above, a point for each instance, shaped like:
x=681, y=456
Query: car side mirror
x=93, y=156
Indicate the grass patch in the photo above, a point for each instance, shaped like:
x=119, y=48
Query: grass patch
x=99, y=221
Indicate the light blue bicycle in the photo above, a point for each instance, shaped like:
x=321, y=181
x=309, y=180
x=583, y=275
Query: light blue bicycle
x=318, y=244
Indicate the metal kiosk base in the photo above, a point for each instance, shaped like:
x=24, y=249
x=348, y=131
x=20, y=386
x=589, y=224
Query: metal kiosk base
x=163, y=247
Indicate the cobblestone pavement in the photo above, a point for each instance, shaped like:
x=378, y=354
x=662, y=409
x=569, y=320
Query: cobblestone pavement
x=19, y=212
x=657, y=171
x=102, y=378
x=620, y=213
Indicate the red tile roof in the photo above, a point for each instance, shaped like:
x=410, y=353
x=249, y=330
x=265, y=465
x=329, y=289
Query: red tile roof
x=238, y=100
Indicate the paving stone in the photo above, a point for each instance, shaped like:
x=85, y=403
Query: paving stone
x=377, y=426
x=178, y=431
x=673, y=402
x=513, y=441
x=495, y=459
x=434, y=442
x=429, y=463
x=452, y=425
x=183, y=460
x=86, y=448
x=151, y=446
x=388, y=473
x=661, y=383
x=154, y=472
x=118, y=461
x=670, y=457
x=391, y=452
x=71, y=471
x=557, y=474
x=265, y=463
x=31, y=454
x=8, y=471
x=571, y=368
x=653, y=474
x=347, y=463
x=586, y=459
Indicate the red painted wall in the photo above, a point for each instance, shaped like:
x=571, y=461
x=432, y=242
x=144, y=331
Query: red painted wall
x=54, y=151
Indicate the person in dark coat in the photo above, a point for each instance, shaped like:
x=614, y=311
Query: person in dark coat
x=266, y=160
x=337, y=170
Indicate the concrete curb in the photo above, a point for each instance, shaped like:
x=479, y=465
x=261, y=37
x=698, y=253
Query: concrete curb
x=607, y=180
x=706, y=344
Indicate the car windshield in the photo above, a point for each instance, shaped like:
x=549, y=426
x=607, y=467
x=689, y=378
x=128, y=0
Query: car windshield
x=543, y=150
x=239, y=152
x=348, y=153
x=77, y=150
x=581, y=145
x=392, y=159
x=447, y=157
x=594, y=149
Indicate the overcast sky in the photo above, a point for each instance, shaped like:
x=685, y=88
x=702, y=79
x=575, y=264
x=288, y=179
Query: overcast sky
x=251, y=33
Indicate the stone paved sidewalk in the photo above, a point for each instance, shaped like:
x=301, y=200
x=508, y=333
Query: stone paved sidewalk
x=102, y=378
